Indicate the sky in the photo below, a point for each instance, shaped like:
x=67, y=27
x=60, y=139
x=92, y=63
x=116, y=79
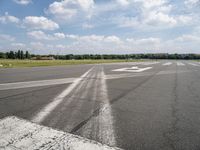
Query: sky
x=100, y=26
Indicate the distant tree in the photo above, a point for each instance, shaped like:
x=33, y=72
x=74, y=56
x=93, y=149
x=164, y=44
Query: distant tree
x=21, y=55
x=12, y=55
x=2, y=55
x=18, y=54
x=27, y=55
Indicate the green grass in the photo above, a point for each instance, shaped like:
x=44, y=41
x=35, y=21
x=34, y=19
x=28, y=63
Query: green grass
x=8, y=63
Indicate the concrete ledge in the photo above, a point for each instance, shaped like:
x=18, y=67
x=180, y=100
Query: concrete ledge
x=16, y=133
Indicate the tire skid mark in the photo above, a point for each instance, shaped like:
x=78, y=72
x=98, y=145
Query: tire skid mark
x=100, y=126
x=40, y=116
x=97, y=111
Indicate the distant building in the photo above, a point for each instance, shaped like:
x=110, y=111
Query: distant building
x=43, y=58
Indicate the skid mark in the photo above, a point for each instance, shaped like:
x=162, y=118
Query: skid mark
x=40, y=116
x=99, y=126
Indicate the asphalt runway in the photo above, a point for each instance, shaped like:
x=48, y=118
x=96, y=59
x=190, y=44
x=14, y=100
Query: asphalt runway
x=135, y=106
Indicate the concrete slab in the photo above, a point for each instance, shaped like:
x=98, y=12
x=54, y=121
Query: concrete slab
x=16, y=133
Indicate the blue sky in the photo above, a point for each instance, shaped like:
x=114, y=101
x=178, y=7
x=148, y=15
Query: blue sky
x=100, y=26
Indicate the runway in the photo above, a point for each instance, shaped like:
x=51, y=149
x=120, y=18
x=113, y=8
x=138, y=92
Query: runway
x=136, y=105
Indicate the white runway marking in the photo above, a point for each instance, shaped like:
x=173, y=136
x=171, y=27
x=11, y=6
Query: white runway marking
x=167, y=64
x=130, y=75
x=180, y=64
x=193, y=64
x=19, y=134
x=39, y=117
x=101, y=126
x=132, y=69
x=28, y=84
x=150, y=63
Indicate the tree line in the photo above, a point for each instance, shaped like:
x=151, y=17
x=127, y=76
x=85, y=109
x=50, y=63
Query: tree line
x=15, y=55
x=26, y=55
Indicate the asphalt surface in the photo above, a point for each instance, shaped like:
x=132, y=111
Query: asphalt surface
x=157, y=108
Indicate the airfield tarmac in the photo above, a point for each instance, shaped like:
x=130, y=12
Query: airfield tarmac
x=137, y=105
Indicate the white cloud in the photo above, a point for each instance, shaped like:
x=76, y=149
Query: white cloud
x=123, y=2
x=8, y=19
x=184, y=19
x=190, y=3
x=159, y=18
x=150, y=13
x=112, y=39
x=188, y=38
x=40, y=35
x=151, y=3
x=68, y=9
x=22, y=2
x=18, y=45
x=143, y=41
x=95, y=38
x=37, y=45
x=6, y=37
x=35, y=22
x=59, y=35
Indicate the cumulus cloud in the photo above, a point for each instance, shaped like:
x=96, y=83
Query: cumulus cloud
x=151, y=3
x=67, y=9
x=188, y=38
x=95, y=38
x=18, y=45
x=149, y=14
x=123, y=2
x=143, y=41
x=191, y=3
x=22, y=2
x=159, y=18
x=43, y=23
x=59, y=35
x=40, y=35
x=8, y=19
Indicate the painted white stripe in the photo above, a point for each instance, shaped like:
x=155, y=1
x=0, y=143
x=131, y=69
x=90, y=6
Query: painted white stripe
x=193, y=64
x=132, y=69
x=167, y=64
x=20, y=134
x=106, y=122
x=40, y=116
x=18, y=85
x=180, y=64
x=102, y=125
x=150, y=63
x=130, y=75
